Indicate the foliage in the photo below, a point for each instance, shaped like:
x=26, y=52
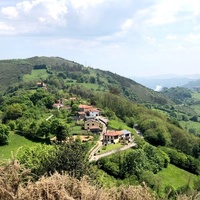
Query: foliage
x=4, y=131
x=134, y=162
x=177, y=94
x=13, y=112
x=182, y=160
x=46, y=159
x=59, y=129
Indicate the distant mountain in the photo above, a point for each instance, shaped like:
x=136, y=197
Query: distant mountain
x=157, y=82
x=193, y=85
x=26, y=70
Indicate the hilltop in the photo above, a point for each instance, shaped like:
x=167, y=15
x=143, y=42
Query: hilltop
x=35, y=69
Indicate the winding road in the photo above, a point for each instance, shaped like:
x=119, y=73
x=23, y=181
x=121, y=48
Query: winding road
x=97, y=157
x=93, y=154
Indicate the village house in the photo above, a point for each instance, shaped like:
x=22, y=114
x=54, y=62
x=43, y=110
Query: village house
x=87, y=112
x=73, y=99
x=93, y=112
x=41, y=84
x=84, y=108
x=57, y=105
x=126, y=135
x=81, y=115
x=92, y=125
x=113, y=136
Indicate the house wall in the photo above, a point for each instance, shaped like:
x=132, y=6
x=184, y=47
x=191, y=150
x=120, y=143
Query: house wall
x=90, y=123
x=93, y=113
x=114, y=139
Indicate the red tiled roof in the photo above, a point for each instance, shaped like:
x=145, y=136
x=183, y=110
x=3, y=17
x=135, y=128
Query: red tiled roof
x=84, y=106
x=113, y=133
x=94, y=110
x=81, y=113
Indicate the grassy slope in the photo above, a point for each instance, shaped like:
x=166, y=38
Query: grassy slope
x=35, y=75
x=15, y=142
x=175, y=177
x=190, y=125
x=119, y=125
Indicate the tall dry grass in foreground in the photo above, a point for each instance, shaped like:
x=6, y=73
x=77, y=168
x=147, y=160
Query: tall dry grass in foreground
x=16, y=184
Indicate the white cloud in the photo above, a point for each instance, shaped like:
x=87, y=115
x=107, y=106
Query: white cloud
x=77, y=4
x=127, y=24
x=25, y=6
x=54, y=10
x=149, y=39
x=10, y=12
x=6, y=29
x=193, y=37
x=171, y=37
x=42, y=19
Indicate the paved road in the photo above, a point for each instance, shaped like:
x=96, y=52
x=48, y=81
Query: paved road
x=99, y=145
x=97, y=157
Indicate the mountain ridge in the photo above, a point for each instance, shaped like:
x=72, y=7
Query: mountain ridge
x=12, y=71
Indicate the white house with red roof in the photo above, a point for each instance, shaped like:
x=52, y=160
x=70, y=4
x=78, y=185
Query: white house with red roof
x=113, y=136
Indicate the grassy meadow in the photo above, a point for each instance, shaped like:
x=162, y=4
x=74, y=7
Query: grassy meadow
x=175, y=177
x=35, y=75
x=15, y=143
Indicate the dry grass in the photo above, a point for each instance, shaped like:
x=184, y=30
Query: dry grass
x=16, y=184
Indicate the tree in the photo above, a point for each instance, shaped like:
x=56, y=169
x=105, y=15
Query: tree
x=136, y=162
x=44, y=129
x=13, y=112
x=92, y=79
x=65, y=157
x=3, y=134
x=74, y=108
x=59, y=129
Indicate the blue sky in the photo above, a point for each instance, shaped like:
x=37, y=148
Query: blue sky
x=128, y=37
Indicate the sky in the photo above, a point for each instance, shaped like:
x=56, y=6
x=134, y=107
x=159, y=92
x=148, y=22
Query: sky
x=127, y=37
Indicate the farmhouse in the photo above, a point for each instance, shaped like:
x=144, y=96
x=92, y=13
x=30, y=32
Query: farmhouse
x=112, y=136
x=93, y=112
x=116, y=136
x=92, y=125
x=84, y=108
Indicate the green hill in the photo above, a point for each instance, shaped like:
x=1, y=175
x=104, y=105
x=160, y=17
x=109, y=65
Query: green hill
x=40, y=68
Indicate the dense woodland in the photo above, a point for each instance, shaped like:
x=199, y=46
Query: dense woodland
x=25, y=109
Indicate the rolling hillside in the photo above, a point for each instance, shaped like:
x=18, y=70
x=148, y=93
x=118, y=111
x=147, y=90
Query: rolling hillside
x=40, y=68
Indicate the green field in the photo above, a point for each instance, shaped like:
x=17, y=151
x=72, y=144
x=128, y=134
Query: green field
x=110, y=147
x=91, y=86
x=35, y=75
x=119, y=125
x=15, y=142
x=175, y=177
x=190, y=125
